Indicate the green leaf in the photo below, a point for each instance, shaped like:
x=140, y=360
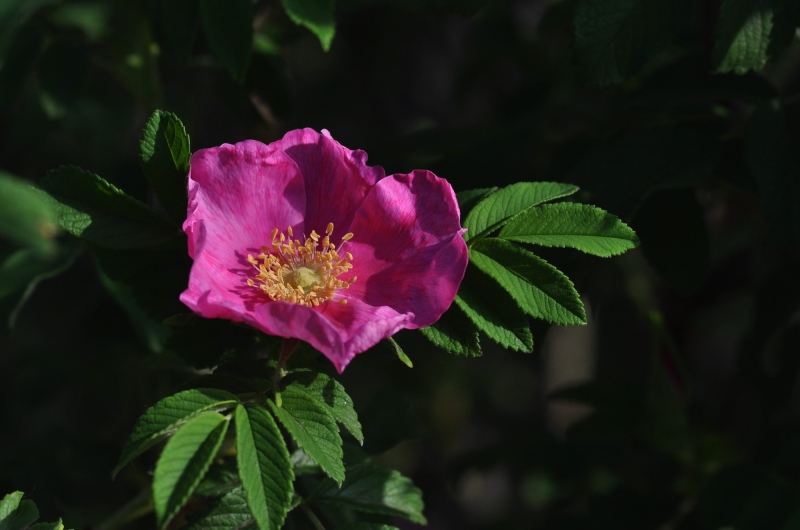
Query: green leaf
x=541, y=290
x=372, y=488
x=387, y=421
x=494, y=312
x=468, y=199
x=185, y=459
x=330, y=393
x=17, y=514
x=572, y=225
x=21, y=271
x=10, y=503
x=494, y=211
x=678, y=250
x=26, y=218
x=58, y=525
x=164, y=152
x=742, y=35
x=314, y=429
x=228, y=25
x=229, y=511
x=91, y=208
x=166, y=416
x=316, y=15
x=454, y=333
x=614, y=38
x=264, y=466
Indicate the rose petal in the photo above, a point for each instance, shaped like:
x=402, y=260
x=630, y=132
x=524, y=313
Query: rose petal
x=237, y=195
x=408, y=252
x=336, y=178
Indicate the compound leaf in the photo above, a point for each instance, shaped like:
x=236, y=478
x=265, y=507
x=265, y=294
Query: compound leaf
x=494, y=312
x=494, y=211
x=572, y=225
x=540, y=289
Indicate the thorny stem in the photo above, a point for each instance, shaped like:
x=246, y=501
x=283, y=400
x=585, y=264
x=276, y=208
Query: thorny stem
x=312, y=517
x=289, y=345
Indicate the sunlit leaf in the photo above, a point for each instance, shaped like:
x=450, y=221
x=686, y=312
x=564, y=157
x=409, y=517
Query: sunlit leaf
x=183, y=462
x=166, y=416
x=314, y=429
x=572, y=225
x=494, y=211
x=264, y=466
x=540, y=289
x=329, y=392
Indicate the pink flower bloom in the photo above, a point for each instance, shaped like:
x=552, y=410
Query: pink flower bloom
x=301, y=239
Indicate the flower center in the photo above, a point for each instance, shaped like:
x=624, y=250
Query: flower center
x=302, y=273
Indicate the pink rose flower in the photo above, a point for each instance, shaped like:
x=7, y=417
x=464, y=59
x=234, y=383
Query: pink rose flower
x=301, y=239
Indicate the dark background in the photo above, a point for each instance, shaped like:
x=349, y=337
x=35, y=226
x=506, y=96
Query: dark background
x=681, y=403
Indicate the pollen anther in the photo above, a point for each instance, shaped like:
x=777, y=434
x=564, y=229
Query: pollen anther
x=301, y=273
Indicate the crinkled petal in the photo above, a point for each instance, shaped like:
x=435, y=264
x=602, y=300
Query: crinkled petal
x=338, y=331
x=336, y=178
x=408, y=251
x=237, y=195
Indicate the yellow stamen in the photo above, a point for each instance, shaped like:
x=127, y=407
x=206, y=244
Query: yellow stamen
x=301, y=273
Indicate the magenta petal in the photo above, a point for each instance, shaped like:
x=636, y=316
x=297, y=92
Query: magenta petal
x=336, y=178
x=237, y=195
x=408, y=250
x=339, y=331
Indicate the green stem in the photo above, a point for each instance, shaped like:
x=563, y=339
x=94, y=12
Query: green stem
x=312, y=517
x=289, y=345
